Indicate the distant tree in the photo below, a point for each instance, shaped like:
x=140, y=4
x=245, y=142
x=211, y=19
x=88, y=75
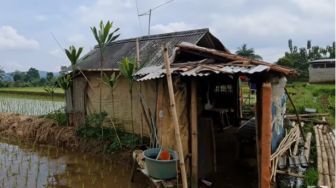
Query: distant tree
x=248, y=52
x=298, y=58
x=32, y=75
x=2, y=74
x=50, y=76
x=43, y=82
x=18, y=76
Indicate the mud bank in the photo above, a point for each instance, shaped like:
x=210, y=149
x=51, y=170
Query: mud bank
x=44, y=131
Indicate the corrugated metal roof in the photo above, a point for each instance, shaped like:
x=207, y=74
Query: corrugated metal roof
x=150, y=48
x=210, y=62
x=205, y=70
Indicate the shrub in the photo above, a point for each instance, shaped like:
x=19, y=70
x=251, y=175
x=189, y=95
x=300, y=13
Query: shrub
x=59, y=116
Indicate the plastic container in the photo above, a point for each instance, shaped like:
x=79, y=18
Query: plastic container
x=160, y=169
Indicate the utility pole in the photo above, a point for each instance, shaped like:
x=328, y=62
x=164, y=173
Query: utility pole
x=149, y=13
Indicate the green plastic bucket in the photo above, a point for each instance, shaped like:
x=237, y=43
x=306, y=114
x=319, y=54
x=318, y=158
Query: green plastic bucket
x=160, y=169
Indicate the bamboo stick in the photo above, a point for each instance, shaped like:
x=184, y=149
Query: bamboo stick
x=331, y=164
x=297, y=114
x=194, y=135
x=319, y=156
x=175, y=118
x=307, y=146
x=307, y=115
x=325, y=167
x=290, y=174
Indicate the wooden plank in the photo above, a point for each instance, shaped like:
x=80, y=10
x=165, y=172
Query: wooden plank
x=175, y=118
x=258, y=126
x=266, y=136
x=194, y=135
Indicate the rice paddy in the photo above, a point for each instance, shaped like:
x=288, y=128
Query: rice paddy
x=29, y=105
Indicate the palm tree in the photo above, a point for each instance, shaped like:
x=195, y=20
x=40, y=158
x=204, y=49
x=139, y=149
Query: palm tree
x=103, y=36
x=248, y=52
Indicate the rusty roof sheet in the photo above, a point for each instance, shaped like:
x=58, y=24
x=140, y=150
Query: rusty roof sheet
x=213, y=62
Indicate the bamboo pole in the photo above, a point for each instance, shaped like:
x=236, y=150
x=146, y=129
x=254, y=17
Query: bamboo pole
x=139, y=84
x=175, y=118
x=290, y=174
x=307, y=146
x=194, y=135
x=331, y=164
x=325, y=167
x=297, y=115
x=319, y=156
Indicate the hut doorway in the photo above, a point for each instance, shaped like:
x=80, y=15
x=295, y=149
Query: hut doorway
x=226, y=147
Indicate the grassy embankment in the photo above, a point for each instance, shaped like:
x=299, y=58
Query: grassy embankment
x=318, y=96
x=31, y=93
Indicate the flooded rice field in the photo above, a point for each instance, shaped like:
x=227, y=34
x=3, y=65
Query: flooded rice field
x=23, y=165
x=29, y=105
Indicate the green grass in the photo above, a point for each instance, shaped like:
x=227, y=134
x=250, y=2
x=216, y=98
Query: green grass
x=31, y=96
x=29, y=89
x=311, y=177
x=319, y=96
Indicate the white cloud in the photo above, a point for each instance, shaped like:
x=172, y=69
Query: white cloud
x=106, y=10
x=270, y=22
x=10, y=39
x=317, y=7
x=170, y=27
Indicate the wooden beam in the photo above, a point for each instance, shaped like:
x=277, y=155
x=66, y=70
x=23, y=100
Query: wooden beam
x=264, y=134
x=194, y=135
x=175, y=118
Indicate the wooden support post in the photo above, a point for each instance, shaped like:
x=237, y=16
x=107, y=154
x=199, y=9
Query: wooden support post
x=194, y=135
x=264, y=134
x=175, y=118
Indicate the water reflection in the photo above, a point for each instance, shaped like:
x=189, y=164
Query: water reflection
x=24, y=165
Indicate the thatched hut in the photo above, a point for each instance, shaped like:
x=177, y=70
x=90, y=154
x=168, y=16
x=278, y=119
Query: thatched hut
x=206, y=80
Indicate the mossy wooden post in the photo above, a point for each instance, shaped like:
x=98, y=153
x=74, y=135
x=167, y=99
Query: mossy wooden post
x=175, y=118
x=264, y=136
x=194, y=135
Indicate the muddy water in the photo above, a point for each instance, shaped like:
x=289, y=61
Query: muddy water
x=26, y=165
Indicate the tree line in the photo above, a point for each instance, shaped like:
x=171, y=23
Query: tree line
x=296, y=57
x=30, y=78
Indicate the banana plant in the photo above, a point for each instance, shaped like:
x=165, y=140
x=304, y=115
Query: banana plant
x=73, y=55
x=103, y=35
x=65, y=82
x=111, y=81
x=127, y=68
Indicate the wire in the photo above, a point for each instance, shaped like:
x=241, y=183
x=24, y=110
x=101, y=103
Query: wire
x=59, y=44
x=162, y=4
x=139, y=21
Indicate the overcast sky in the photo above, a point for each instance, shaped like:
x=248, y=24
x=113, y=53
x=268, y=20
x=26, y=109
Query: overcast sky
x=27, y=27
